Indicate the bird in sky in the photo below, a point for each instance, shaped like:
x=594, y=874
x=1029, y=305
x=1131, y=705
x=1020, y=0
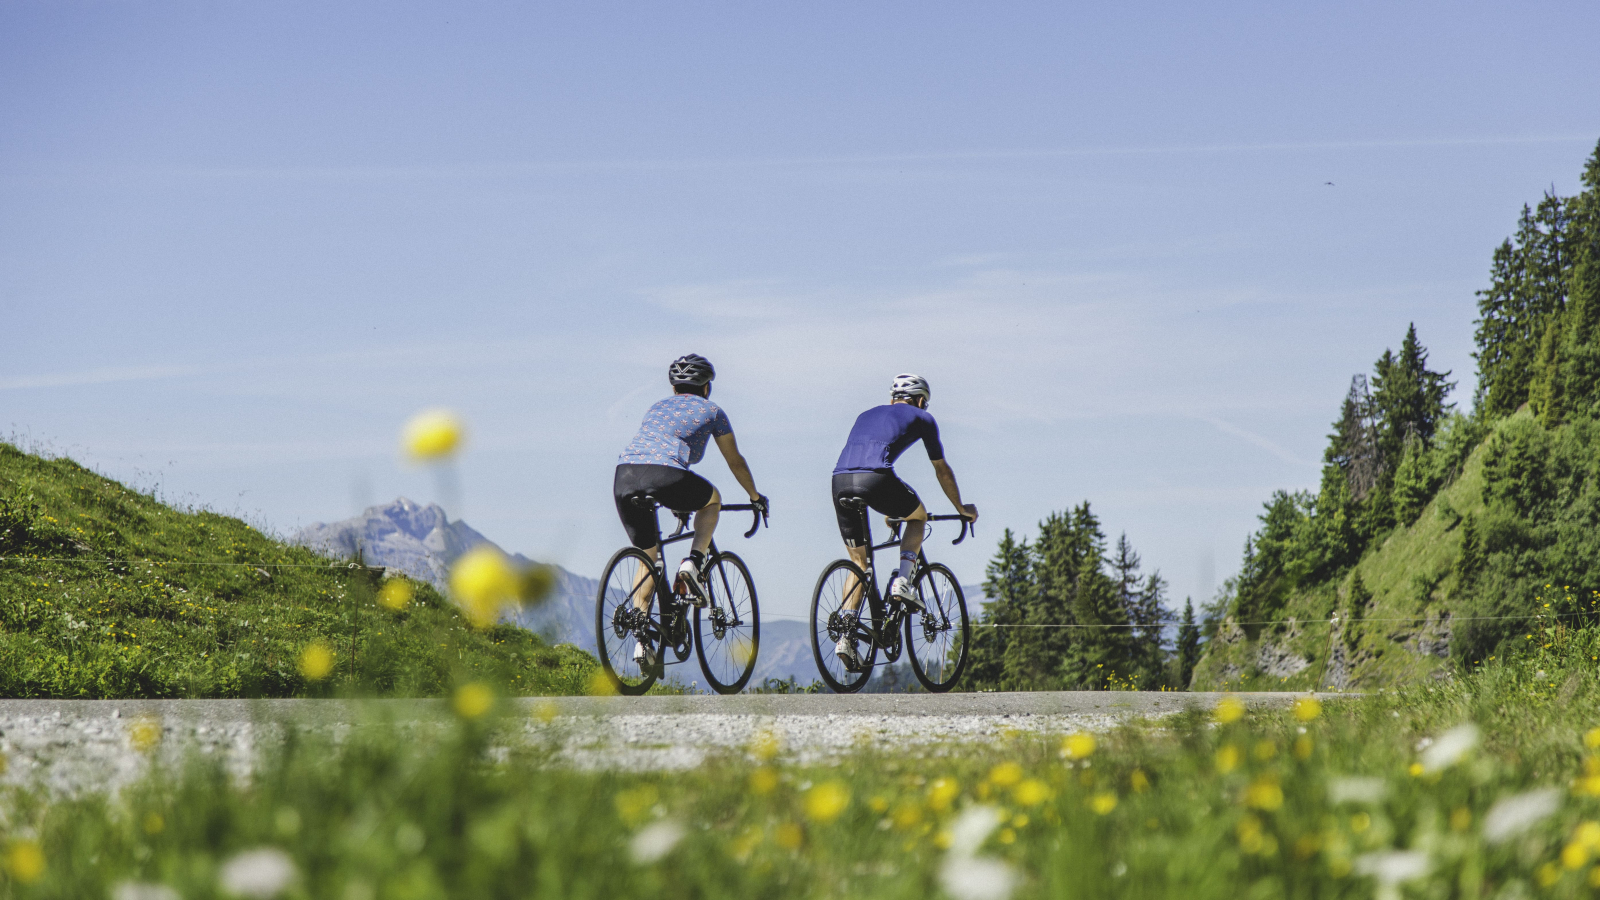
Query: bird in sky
x=1328, y=183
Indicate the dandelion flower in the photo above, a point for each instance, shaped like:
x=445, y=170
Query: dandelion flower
x=1514, y=815
x=1450, y=748
x=826, y=801
x=1227, y=758
x=137, y=890
x=599, y=684
x=1078, y=746
x=25, y=861
x=473, y=699
x=316, y=661
x=1005, y=775
x=144, y=733
x=1103, y=803
x=258, y=874
x=1591, y=739
x=483, y=584
x=1307, y=708
x=395, y=594
x=763, y=781
x=789, y=836
x=1033, y=792
x=941, y=793
x=1264, y=793
x=655, y=841
x=432, y=435
x=1228, y=710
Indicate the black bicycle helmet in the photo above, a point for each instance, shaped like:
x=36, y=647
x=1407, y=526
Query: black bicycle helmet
x=693, y=370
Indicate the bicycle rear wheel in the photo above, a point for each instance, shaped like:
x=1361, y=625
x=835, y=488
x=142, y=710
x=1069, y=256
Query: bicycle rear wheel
x=727, y=632
x=937, y=638
x=624, y=613
x=841, y=580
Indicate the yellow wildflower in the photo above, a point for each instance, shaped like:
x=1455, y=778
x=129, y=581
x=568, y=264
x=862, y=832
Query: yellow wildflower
x=633, y=804
x=1139, y=781
x=1006, y=774
x=1264, y=793
x=1103, y=803
x=1227, y=758
x=826, y=801
x=316, y=661
x=395, y=594
x=1078, y=746
x=473, y=699
x=144, y=733
x=432, y=434
x=1031, y=792
x=941, y=793
x=25, y=861
x=763, y=780
x=1229, y=709
x=1307, y=708
x=789, y=836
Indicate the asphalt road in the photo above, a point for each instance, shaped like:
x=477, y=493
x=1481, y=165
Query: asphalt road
x=72, y=745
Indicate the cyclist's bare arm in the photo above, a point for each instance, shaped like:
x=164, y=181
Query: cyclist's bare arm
x=947, y=480
x=736, y=464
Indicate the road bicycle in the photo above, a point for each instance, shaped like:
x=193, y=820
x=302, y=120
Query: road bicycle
x=636, y=602
x=938, y=634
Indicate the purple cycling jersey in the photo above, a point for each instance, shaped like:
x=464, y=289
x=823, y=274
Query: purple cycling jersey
x=882, y=433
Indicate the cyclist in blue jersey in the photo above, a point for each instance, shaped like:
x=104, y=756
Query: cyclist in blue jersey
x=866, y=470
x=656, y=464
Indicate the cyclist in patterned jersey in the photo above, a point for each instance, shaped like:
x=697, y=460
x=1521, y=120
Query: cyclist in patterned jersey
x=656, y=462
x=866, y=470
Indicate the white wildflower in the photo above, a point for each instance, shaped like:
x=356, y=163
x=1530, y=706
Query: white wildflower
x=1514, y=815
x=258, y=874
x=971, y=828
x=1449, y=748
x=977, y=878
x=135, y=890
x=655, y=841
x=1356, y=790
x=1392, y=867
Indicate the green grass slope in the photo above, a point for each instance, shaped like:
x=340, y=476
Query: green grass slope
x=1407, y=610
x=107, y=593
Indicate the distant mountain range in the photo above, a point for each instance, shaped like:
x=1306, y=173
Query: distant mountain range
x=422, y=542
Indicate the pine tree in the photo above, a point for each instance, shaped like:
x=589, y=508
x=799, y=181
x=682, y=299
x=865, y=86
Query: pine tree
x=1528, y=290
x=1410, y=399
x=1188, y=646
x=1008, y=583
x=1570, y=371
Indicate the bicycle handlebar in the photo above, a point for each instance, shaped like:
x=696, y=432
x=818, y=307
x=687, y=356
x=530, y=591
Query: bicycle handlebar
x=760, y=515
x=967, y=525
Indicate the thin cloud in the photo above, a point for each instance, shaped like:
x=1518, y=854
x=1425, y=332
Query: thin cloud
x=1256, y=439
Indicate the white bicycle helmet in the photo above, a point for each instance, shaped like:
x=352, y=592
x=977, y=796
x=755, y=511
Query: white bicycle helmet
x=907, y=386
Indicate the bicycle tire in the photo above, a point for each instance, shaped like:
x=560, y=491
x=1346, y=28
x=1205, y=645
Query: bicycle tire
x=931, y=646
x=827, y=599
x=728, y=661
x=612, y=635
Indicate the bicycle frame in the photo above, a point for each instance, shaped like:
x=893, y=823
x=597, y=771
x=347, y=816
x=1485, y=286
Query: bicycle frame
x=667, y=603
x=890, y=617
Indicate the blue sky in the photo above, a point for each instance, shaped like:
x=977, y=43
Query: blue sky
x=241, y=243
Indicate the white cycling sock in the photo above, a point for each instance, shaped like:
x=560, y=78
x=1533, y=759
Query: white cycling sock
x=908, y=561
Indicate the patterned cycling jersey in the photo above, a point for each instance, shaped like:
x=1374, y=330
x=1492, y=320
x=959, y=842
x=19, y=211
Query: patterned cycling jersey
x=882, y=433
x=675, y=431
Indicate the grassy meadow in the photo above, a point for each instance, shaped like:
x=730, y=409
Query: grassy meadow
x=1486, y=786
x=106, y=592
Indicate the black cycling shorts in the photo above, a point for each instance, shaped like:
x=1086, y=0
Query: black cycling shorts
x=677, y=489
x=882, y=490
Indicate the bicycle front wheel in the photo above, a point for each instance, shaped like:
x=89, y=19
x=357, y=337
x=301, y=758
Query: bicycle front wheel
x=937, y=638
x=623, y=614
x=841, y=581
x=727, y=632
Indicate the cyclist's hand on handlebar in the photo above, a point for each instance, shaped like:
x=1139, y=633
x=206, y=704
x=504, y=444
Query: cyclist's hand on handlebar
x=970, y=511
x=762, y=504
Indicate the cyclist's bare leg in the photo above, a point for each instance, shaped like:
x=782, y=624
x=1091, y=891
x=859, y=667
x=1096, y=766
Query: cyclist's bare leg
x=705, y=522
x=642, y=591
x=916, y=528
x=854, y=590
